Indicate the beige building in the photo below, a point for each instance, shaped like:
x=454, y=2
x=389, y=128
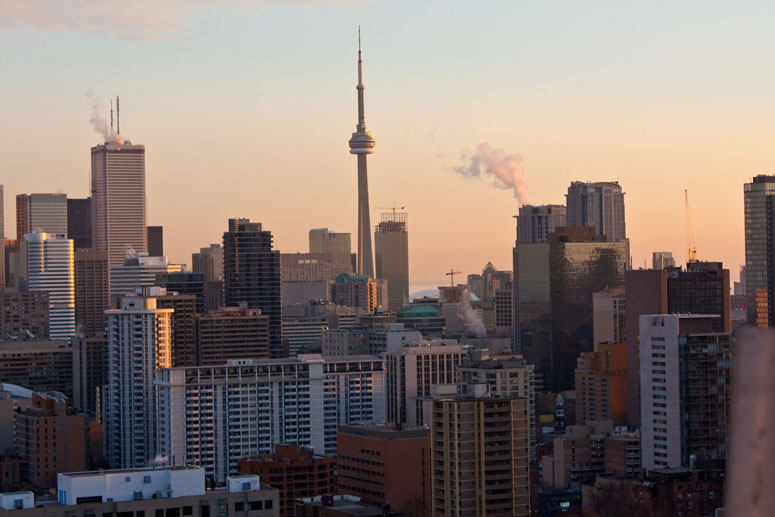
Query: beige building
x=336, y=246
x=391, y=251
x=118, y=200
x=231, y=333
x=601, y=384
x=479, y=457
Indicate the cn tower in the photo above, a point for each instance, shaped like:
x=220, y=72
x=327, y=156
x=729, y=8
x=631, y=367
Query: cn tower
x=361, y=144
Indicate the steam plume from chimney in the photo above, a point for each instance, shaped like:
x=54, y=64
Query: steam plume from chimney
x=506, y=169
x=100, y=125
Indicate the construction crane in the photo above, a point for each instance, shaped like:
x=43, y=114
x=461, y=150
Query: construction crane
x=692, y=251
x=393, y=208
x=452, y=274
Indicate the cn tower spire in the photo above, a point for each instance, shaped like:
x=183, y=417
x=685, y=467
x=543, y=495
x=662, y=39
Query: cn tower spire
x=362, y=144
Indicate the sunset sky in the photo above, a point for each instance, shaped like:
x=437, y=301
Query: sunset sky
x=246, y=107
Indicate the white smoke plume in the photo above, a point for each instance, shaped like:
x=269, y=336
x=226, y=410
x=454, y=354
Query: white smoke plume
x=98, y=122
x=505, y=169
x=471, y=319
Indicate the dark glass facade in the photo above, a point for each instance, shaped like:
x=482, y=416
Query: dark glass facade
x=183, y=282
x=556, y=283
x=759, y=198
x=79, y=222
x=251, y=275
x=155, y=236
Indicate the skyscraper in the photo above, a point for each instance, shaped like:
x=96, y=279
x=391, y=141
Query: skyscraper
x=362, y=144
x=251, y=273
x=209, y=261
x=79, y=222
x=662, y=260
x=759, y=196
x=600, y=205
x=336, y=248
x=155, y=236
x=139, y=342
x=92, y=291
x=118, y=199
x=685, y=386
x=41, y=213
x=391, y=248
x=49, y=267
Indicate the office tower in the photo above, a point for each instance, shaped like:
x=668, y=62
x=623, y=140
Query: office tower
x=251, y=275
x=759, y=196
x=479, y=456
x=411, y=374
x=304, y=324
x=491, y=280
x=209, y=261
x=90, y=373
x=11, y=262
x=2, y=237
x=391, y=250
x=398, y=471
x=601, y=384
x=600, y=205
x=51, y=438
x=24, y=315
x=139, y=343
x=178, y=490
x=335, y=248
x=556, y=282
x=50, y=267
x=685, y=372
x=42, y=213
x=362, y=144
x=38, y=365
x=297, y=472
x=92, y=291
x=504, y=310
x=578, y=456
x=138, y=271
x=424, y=318
x=662, y=260
x=183, y=326
x=183, y=282
x=535, y=223
x=305, y=277
x=118, y=200
x=155, y=238
x=232, y=333
x=702, y=289
x=79, y=226
x=260, y=403
x=359, y=291
x=609, y=322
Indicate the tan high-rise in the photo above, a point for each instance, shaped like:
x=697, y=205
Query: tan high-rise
x=391, y=247
x=479, y=457
x=118, y=200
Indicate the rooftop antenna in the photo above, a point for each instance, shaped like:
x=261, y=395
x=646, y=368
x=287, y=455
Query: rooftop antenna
x=118, y=117
x=111, y=115
x=104, y=117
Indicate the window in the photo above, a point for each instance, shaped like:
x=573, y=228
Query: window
x=188, y=510
x=239, y=507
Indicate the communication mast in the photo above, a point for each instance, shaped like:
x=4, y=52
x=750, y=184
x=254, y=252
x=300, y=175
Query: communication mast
x=691, y=249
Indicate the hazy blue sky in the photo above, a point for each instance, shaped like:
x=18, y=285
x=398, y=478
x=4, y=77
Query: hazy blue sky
x=245, y=109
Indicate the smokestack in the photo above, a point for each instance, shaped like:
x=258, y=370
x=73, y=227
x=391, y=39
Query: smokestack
x=118, y=117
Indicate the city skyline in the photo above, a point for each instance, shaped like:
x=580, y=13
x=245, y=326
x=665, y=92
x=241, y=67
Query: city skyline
x=573, y=107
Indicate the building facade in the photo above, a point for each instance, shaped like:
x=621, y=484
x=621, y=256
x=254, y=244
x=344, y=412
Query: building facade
x=118, y=200
x=42, y=213
x=251, y=269
x=231, y=333
x=335, y=246
x=92, y=291
x=213, y=416
x=139, y=343
x=41, y=366
x=759, y=202
x=50, y=267
x=23, y=315
x=479, y=457
x=391, y=253
x=79, y=225
x=601, y=385
x=685, y=376
x=600, y=205
x=386, y=464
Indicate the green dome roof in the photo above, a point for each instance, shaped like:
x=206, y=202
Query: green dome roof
x=419, y=311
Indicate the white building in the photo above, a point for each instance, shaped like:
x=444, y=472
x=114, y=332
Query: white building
x=212, y=416
x=118, y=199
x=411, y=373
x=138, y=271
x=139, y=342
x=609, y=316
x=49, y=262
x=685, y=391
